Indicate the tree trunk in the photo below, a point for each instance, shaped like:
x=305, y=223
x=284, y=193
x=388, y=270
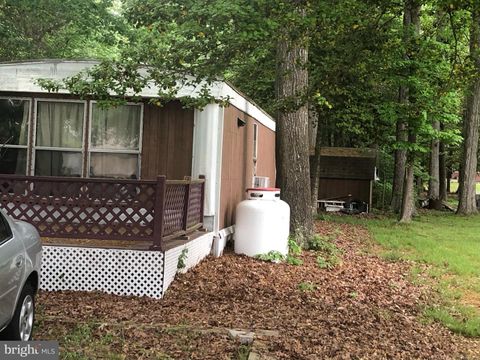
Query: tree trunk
x=411, y=18
x=408, y=199
x=442, y=171
x=467, y=182
x=315, y=166
x=293, y=172
x=434, y=180
x=449, y=183
x=400, y=158
x=419, y=186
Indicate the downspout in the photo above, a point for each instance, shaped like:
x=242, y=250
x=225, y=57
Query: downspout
x=219, y=241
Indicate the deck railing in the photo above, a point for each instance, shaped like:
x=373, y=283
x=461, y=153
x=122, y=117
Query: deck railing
x=111, y=209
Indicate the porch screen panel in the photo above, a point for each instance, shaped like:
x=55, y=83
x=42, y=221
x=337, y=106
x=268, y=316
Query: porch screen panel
x=59, y=138
x=115, y=141
x=14, y=115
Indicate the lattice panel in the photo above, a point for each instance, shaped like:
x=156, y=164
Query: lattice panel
x=65, y=207
x=110, y=209
x=195, y=205
x=174, y=208
x=120, y=272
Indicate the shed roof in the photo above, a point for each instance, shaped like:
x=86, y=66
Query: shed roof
x=347, y=163
x=349, y=152
x=21, y=77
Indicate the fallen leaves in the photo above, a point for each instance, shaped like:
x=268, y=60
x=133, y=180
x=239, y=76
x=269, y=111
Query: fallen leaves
x=362, y=308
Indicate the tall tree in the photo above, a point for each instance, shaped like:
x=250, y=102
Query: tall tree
x=412, y=27
x=434, y=173
x=467, y=182
x=292, y=141
x=315, y=159
x=59, y=29
x=442, y=168
x=400, y=157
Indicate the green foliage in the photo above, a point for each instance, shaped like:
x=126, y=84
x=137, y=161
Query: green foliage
x=271, y=256
x=360, y=54
x=307, y=286
x=243, y=352
x=292, y=260
x=328, y=253
x=182, y=258
x=391, y=256
x=61, y=29
x=327, y=262
x=293, y=247
x=323, y=243
x=294, y=250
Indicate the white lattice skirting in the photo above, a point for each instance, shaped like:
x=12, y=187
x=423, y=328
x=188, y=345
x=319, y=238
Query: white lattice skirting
x=120, y=272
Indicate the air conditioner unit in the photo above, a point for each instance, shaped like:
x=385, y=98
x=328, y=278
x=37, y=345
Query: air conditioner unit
x=260, y=181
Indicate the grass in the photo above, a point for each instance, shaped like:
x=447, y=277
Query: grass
x=83, y=336
x=454, y=186
x=243, y=352
x=307, y=286
x=449, y=246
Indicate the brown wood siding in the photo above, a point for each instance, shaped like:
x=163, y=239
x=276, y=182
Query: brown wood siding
x=339, y=188
x=237, y=160
x=167, y=141
x=167, y=136
x=337, y=167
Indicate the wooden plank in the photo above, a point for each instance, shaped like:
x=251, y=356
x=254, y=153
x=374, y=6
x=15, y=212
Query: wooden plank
x=349, y=152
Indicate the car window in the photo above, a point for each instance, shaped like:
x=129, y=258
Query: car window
x=5, y=231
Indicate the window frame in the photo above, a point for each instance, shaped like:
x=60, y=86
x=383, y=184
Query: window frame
x=90, y=150
x=27, y=147
x=34, y=146
x=255, y=142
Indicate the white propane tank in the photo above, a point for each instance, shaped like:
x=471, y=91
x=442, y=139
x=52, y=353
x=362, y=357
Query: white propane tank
x=262, y=223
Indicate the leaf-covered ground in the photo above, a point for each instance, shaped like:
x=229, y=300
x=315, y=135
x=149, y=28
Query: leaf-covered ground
x=364, y=308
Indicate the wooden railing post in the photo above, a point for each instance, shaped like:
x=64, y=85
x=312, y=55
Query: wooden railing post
x=186, y=205
x=202, y=200
x=159, y=213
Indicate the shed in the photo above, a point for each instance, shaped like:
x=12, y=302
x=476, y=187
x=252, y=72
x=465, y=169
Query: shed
x=347, y=174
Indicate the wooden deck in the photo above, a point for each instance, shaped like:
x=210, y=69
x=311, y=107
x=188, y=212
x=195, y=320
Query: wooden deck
x=120, y=244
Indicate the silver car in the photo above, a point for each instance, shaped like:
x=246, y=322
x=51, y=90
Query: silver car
x=20, y=261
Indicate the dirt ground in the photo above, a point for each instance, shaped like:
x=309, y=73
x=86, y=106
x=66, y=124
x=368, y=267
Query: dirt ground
x=364, y=308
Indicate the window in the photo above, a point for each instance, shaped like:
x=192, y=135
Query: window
x=255, y=148
x=59, y=138
x=255, y=142
x=55, y=141
x=14, y=115
x=115, y=141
